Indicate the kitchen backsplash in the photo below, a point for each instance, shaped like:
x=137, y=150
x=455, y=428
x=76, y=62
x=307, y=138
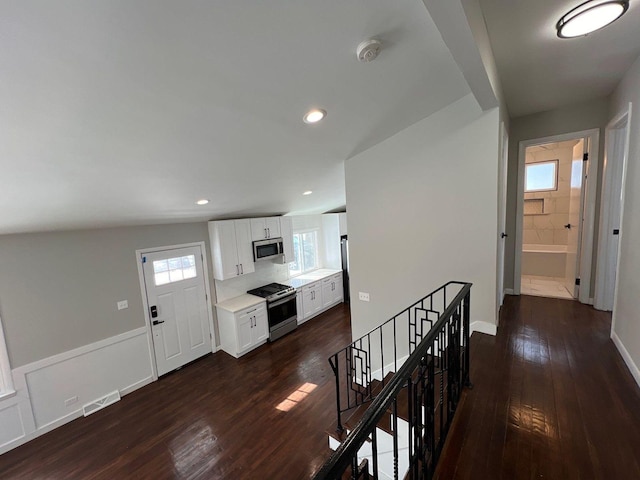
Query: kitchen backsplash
x=266, y=272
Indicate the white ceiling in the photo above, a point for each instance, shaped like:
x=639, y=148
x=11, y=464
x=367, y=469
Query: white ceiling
x=117, y=112
x=539, y=71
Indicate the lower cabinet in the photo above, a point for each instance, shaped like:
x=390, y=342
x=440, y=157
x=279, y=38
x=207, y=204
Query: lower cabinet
x=312, y=299
x=319, y=296
x=332, y=290
x=244, y=330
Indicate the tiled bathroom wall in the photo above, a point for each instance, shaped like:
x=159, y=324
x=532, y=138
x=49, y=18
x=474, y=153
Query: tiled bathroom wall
x=547, y=228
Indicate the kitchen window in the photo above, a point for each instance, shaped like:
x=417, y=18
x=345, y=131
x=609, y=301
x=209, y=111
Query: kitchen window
x=6, y=383
x=305, y=252
x=541, y=176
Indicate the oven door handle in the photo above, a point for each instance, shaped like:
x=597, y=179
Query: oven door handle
x=283, y=300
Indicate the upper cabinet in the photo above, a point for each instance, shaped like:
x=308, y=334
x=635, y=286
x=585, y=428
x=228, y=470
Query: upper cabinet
x=286, y=231
x=264, y=228
x=342, y=219
x=231, y=248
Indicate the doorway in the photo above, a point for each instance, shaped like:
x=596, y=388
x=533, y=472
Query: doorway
x=556, y=203
x=174, y=291
x=614, y=169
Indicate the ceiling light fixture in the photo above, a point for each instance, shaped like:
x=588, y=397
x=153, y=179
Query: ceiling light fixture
x=308, y=192
x=590, y=16
x=314, y=116
x=202, y=201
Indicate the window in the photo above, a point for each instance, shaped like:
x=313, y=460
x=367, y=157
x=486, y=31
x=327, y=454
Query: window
x=175, y=269
x=305, y=252
x=541, y=176
x=6, y=384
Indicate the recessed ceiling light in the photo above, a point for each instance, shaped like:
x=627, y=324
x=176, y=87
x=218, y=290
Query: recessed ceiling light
x=314, y=116
x=308, y=192
x=202, y=201
x=590, y=16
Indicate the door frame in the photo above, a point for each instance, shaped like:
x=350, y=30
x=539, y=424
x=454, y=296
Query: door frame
x=145, y=302
x=502, y=217
x=622, y=119
x=588, y=213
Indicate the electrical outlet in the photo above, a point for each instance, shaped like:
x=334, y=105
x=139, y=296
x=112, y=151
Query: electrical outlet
x=363, y=296
x=123, y=304
x=70, y=401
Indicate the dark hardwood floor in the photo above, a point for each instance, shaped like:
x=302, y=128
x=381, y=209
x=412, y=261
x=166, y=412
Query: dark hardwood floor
x=552, y=399
x=216, y=418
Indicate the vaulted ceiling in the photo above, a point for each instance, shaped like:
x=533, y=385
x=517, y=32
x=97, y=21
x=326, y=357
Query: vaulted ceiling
x=117, y=112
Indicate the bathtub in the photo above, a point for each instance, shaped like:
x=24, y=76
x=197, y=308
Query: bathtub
x=544, y=260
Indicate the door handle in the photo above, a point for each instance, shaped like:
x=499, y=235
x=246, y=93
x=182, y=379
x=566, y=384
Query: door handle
x=265, y=233
x=503, y=235
x=269, y=231
x=154, y=311
x=158, y=322
x=241, y=270
x=237, y=270
x=568, y=226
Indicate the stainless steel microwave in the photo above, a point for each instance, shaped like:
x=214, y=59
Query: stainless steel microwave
x=268, y=249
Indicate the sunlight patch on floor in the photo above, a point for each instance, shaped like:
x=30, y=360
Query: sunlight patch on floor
x=296, y=397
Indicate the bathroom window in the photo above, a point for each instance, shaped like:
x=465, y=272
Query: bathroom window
x=541, y=176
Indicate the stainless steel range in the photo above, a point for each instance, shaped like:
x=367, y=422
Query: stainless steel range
x=281, y=308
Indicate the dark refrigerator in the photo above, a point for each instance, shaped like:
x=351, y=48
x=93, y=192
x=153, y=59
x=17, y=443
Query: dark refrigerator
x=344, y=250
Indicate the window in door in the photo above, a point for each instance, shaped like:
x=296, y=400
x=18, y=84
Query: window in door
x=171, y=270
x=541, y=176
x=305, y=252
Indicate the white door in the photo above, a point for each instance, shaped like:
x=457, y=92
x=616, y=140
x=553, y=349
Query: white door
x=258, y=229
x=610, y=221
x=574, y=225
x=502, y=214
x=176, y=295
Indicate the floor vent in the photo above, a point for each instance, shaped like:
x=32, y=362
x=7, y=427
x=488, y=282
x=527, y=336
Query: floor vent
x=101, y=403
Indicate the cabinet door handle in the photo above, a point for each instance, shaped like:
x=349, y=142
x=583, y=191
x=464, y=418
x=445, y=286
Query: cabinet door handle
x=269, y=231
x=237, y=270
x=241, y=270
x=265, y=233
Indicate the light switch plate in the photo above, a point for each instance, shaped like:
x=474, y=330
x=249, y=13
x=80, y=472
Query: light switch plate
x=123, y=304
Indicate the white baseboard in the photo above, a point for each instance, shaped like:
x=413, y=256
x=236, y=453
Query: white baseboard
x=508, y=291
x=51, y=391
x=483, y=327
x=633, y=368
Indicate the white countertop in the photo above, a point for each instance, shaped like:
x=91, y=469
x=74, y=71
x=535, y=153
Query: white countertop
x=307, y=278
x=236, y=304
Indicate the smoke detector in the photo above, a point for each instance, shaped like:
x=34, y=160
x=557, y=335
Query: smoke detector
x=369, y=50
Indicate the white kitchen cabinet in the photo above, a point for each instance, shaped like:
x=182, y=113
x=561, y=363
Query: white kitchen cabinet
x=299, y=308
x=338, y=292
x=312, y=299
x=244, y=330
x=332, y=290
x=231, y=248
x=263, y=228
x=286, y=231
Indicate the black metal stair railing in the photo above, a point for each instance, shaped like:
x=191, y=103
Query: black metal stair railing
x=421, y=388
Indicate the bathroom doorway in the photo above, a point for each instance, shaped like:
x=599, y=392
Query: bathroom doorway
x=555, y=216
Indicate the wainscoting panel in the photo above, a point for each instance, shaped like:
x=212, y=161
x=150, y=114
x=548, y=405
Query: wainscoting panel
x=52, y=391
x=11, y=421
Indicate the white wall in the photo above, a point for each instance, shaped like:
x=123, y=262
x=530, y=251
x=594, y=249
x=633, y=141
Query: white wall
x=422, y=211
x=626, y=315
